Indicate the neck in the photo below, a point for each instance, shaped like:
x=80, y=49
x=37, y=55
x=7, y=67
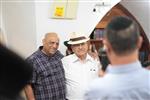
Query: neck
x=124, y=59
x=82, y=58
x=48, y=54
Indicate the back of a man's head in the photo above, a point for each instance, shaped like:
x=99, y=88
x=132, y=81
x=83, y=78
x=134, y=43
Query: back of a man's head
x=122, y=34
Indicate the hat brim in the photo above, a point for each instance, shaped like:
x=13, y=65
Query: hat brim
x=66, y=43
x=79, y=41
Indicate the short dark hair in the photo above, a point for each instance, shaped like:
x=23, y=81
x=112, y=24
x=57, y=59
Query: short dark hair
x=122, y=33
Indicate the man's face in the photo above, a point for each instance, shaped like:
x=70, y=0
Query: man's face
x=80, y=49
x=50, y=45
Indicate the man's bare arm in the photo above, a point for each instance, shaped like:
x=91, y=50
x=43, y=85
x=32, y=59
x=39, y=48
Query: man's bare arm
x=29, y=93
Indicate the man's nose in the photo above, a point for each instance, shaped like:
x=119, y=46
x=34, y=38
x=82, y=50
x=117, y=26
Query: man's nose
x=55, y=45
x=80, y=46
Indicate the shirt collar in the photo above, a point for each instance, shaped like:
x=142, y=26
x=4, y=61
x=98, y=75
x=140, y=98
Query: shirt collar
x=75, y=58
x=125, y=68
x=40, y=51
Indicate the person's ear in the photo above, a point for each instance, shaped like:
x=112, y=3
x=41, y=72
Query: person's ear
x=43, y=41
x=139, y=42
x=107, y=46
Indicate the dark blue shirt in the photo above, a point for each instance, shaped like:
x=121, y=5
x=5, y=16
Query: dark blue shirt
x=48, y=81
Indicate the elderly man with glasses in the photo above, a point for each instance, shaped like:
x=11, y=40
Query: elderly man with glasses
x=80, y=68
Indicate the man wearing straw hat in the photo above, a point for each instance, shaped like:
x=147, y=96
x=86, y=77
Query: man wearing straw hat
x=80, y=68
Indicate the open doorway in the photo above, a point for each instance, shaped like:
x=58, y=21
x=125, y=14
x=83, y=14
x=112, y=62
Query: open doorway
x=97, y=34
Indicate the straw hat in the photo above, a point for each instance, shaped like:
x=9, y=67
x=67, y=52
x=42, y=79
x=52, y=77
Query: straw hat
x=77, y=38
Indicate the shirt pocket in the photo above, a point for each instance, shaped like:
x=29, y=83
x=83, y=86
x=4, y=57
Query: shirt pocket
x=44, y=76
x=49, y=74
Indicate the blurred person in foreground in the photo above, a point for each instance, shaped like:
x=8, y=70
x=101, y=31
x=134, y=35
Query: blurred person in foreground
x=125, y=79
x=15, y=74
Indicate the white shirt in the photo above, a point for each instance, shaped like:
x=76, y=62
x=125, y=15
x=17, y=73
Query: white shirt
x=79, y=75
x=122, y=82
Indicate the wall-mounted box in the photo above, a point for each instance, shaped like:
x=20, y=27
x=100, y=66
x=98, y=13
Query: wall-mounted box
x=64, y=9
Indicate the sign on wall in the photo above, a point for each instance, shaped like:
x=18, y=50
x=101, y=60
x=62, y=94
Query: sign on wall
x=66, y=9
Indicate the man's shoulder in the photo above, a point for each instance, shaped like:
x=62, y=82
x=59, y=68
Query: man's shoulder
x=68, y=58
x=34, y=55
x=98, y=83
x=96, y=88
x=59, y=54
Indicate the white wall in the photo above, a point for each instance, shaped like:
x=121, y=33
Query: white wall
x=85, y=22
x=19, y=22
x=27, y=21
x=141, y=11
x=3, y=36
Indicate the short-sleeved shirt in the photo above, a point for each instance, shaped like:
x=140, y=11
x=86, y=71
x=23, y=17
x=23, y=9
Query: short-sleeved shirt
x=79, y=75
x=48, y=81
x=121, y=82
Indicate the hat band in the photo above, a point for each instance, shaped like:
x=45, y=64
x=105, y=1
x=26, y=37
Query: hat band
x=77, y=39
